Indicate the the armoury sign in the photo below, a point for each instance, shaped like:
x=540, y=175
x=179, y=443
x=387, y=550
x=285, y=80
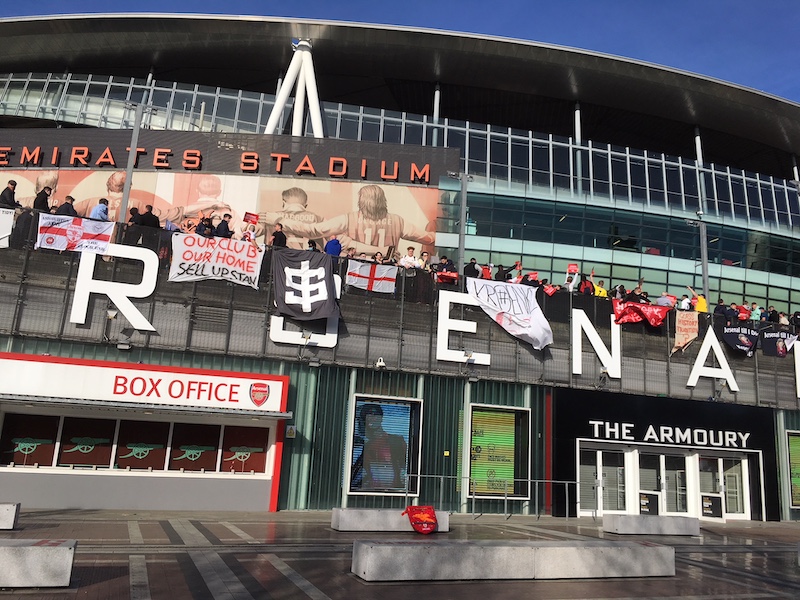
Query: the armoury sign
x=306, y=289
x=225, y=153
x=668, y=434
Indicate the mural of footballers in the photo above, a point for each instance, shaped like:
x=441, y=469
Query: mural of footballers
x=371, y=227
x=295, y=203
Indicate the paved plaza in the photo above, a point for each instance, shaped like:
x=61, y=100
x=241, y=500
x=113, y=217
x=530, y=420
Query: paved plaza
x=176, y=556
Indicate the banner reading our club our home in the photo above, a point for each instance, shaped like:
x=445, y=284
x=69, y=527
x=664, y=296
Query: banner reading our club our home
x=195, y=258
x=62, y=232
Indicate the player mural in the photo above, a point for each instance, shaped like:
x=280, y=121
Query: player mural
x=369, y=217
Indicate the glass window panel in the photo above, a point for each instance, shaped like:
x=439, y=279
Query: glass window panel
x=86, y=442
x=690, y=191
x=723, y=195
x=244, y=449
x=613, y=480
x=768, y=202
x=96, y=91
x=118, y=92
x=392, y=132
x=194, y=447
x=248, y=111
x=541, y=164
x=413, y=134
x=28, y=439
x=739, y=206
x=655, y=173
x=142, y=445
x=519, y=153
x=753, y=203
x=13, y=93
x=673, y=187
x=370, y=130
x=349, y=127
x=588, y=479
x=434, y=135
x=561, y=166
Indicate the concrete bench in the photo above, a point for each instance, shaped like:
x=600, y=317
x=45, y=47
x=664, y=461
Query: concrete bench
x=380, y=519
x=650, y=525
x=36, y=563
x=480, y=560
x=9, y=513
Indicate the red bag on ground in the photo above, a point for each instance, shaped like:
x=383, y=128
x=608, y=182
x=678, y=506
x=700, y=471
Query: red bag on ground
x=423, y=518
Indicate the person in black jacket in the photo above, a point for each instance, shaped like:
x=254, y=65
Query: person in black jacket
x=150, y=228
x=7, y=196
x=67, y=208
x=42, y=200
x=224, y=229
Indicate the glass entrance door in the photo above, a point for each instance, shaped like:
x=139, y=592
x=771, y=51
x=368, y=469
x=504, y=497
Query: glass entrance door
x=675, y=484
x=723, y=488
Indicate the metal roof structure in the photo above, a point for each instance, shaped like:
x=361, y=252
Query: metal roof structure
x=507, y=82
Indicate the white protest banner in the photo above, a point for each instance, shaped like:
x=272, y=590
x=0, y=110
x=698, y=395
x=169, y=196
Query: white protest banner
x=371, y=276
x=6, y=225
x=62, y=232
x=514, y=308
x=195, y=257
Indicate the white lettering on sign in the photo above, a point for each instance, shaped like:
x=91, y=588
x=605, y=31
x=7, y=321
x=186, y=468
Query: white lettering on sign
x=447, y=324
x=119, y=293
x=711, y=343
x=667, y=434
x=611, y=361
x=136, y=383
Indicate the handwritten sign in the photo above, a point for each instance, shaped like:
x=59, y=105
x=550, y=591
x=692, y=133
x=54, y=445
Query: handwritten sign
x=196, y=258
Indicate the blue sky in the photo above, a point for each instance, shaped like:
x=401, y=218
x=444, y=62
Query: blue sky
x=749, y=42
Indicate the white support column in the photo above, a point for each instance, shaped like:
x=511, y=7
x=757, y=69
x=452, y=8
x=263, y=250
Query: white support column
x=314, y=108
x=283, y=95
x=301, y=71
x=299, y=105
x=437, y=96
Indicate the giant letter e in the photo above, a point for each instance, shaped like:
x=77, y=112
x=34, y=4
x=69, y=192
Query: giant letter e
x=118, y=293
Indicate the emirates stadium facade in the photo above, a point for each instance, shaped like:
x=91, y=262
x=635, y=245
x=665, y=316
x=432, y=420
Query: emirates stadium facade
x=133, y=382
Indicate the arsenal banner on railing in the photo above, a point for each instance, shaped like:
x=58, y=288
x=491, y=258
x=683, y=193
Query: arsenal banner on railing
x=195, y=258
x=61, y=232
x=741, y=337
x=514, y=308
x=777, y=342
x=633, y=312
x=371, y=276
x=304, y=287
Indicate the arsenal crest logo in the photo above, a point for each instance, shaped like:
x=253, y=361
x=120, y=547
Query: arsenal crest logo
x=74, y=235
x=259, y=393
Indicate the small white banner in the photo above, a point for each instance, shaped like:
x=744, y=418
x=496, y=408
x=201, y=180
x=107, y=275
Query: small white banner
x=6, y=225
x=371, y=276
x=514, y=307
x=54, y=377
x=195, y=257
x=61, y=232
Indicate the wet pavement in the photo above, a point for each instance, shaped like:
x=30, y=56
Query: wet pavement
x=175, y=556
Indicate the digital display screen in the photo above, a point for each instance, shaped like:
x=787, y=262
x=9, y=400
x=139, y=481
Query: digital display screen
x=794, y=467
x=492, y=463
x=384, y=444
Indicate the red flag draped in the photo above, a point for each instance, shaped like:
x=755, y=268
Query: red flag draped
x=634, y=312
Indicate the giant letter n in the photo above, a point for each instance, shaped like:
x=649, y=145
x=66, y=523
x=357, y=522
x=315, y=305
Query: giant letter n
x=611, y=361
x=119, y=293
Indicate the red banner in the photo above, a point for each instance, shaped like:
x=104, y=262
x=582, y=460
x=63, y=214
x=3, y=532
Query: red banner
x=634, y=312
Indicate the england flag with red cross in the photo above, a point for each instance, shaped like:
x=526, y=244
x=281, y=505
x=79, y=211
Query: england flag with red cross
x=371, y=276
x=62, y=232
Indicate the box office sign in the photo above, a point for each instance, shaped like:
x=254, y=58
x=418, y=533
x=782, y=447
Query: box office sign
x=54, y=377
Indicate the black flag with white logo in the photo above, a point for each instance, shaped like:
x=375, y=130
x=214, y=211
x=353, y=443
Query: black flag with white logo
x=304, y=287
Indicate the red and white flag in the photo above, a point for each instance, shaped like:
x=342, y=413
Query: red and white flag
x=371, y=276
x=61, y=232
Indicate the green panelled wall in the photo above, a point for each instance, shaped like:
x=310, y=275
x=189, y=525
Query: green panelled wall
x=311, y=473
